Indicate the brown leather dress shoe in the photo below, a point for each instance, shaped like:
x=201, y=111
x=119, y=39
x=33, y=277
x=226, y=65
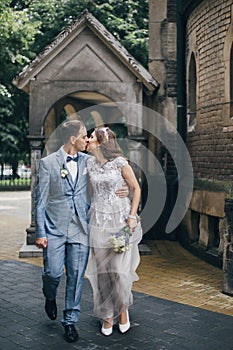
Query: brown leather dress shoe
x=71, y=335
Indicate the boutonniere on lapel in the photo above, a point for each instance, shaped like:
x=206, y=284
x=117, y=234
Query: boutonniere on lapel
x=64, y=172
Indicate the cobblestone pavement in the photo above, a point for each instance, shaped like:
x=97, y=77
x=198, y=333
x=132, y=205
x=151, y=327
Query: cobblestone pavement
x=178, y=302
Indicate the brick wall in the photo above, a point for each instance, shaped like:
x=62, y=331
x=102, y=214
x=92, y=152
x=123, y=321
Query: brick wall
x=211, y=143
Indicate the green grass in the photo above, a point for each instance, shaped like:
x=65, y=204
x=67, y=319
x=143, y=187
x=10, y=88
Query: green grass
x=15, y=184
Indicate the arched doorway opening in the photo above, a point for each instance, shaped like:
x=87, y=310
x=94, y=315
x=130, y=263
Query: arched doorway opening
x=93, y=108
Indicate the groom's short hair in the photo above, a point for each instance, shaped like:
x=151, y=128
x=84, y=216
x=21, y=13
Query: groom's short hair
x=71, y=128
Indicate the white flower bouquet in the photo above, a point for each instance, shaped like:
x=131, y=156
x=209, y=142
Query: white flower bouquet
x=120, y=240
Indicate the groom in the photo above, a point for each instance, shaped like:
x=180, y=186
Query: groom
x=61, y=209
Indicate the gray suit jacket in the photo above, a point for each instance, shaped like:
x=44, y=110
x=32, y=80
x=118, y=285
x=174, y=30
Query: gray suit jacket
x=57, y=199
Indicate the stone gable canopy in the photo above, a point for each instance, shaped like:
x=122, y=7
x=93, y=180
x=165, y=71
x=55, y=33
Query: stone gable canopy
x=66, y=37
x=84, y=57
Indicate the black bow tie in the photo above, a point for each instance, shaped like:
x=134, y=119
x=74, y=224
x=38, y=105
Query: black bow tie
x=69, y=158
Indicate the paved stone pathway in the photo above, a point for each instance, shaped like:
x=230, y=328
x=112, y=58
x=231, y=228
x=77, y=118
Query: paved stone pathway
x=178, y=303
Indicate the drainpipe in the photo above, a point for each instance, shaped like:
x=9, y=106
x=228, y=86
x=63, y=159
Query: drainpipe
x=181, y=72
x=181, y=93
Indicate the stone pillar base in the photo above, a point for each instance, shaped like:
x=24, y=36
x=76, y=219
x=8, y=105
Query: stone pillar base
x=30, y=251
x=228, y=249
x=31, y=235
x=227, y=284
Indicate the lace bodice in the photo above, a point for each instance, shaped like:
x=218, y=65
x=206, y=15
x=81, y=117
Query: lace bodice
x=108, y=212
x=106, y=179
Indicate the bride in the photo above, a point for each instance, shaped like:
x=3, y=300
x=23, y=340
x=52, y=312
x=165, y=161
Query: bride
x=115, y=231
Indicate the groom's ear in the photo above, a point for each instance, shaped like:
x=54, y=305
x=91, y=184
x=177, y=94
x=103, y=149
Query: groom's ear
x=73, y=139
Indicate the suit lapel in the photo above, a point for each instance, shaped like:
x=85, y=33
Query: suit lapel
x=81, y=165
x=62, y=165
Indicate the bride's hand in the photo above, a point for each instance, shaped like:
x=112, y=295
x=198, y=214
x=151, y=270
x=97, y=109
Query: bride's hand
x=132, y=223
x=123, y=191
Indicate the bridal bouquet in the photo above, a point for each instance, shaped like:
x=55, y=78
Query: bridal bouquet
x=120, y=240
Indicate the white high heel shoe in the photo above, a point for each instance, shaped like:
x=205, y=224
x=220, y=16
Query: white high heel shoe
x=126, y=326
x=106, y=331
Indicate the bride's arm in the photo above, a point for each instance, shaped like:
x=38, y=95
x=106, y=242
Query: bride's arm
x=130, y=178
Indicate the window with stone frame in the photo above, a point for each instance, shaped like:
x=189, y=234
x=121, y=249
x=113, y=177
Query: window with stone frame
x=192, y=94
x=231, y=83
x=228, y=78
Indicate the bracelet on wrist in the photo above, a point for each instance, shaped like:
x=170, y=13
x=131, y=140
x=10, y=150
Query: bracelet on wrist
x=134, y=217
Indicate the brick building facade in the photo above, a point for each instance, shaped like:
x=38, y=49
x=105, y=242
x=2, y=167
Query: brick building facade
x=208, y=62
x=210, y=140
x=202, y=67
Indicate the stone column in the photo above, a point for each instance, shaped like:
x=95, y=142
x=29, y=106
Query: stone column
x=134, y=113
x=137, y=157
x=36, y=146
x=228, y=249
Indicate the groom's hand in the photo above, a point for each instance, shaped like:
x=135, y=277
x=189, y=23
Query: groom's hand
x=123, y=191
x=41, y=242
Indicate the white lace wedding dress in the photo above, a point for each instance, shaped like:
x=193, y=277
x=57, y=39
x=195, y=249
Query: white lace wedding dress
x=111, y=274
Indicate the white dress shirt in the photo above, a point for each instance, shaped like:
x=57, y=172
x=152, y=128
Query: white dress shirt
x=71, y=166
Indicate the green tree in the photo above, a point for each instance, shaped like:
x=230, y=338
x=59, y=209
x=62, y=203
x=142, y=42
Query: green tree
x=9, y=132
x=17, y=33
x=127, y=20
